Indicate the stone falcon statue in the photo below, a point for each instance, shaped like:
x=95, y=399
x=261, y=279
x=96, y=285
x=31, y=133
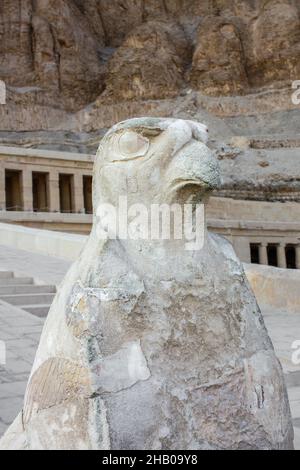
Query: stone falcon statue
x=149, y=345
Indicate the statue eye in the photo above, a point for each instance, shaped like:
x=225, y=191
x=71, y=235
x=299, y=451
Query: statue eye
x=133, y=145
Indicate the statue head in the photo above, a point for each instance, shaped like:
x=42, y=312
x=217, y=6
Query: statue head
x=155, y=160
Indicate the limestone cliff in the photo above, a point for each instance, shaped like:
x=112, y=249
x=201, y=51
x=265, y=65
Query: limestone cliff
x=67, y=53
x=75, y=67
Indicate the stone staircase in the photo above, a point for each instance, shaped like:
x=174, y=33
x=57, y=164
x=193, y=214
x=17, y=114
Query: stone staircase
x=22, y=292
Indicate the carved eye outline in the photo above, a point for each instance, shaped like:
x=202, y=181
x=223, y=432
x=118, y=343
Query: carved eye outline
x=132, y=145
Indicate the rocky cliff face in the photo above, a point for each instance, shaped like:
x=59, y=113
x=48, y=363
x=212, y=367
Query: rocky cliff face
x=68, y=53
x=73, y=68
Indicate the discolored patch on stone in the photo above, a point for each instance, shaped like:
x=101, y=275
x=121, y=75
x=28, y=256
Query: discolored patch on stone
x=85, y=304
x=55, y=381
x=120, y=370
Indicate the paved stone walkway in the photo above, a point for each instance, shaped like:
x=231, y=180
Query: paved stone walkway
x=21, y=331
x=284, y=329
x=42, y=268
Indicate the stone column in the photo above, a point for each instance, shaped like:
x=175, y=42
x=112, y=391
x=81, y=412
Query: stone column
x=281, y=256
x=54, y=205
x=2, y=189
x=263, y=254
x=298, y=256
x=78, y=193
x=27, y=190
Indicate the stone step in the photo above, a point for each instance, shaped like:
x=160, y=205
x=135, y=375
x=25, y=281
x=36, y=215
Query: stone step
x=6, y=274
x=28, y=299
x=26, y=289
x=40, y=311
x=16, y=281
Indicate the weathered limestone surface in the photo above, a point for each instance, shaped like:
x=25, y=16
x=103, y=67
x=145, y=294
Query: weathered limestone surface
x=148, y=345
x=132, y=76
x=66, y=53
x=74, y=67
x=50, y=52
x=218, y=61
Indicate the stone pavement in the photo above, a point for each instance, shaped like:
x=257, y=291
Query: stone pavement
x=21, y=331
x=284, y=329
x=44, y=269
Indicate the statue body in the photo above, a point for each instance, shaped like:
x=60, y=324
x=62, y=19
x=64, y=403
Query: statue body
x=149, y=345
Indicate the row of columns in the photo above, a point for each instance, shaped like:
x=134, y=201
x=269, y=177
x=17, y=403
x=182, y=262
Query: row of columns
x=281, y=255
x=53, y=191
x=54, y=197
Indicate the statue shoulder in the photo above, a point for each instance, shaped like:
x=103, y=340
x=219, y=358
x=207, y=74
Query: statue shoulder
x=224, y=248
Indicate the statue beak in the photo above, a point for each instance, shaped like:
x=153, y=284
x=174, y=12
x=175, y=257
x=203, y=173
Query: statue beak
x=195, y=165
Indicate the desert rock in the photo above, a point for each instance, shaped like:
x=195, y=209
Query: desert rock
x=66, y=53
